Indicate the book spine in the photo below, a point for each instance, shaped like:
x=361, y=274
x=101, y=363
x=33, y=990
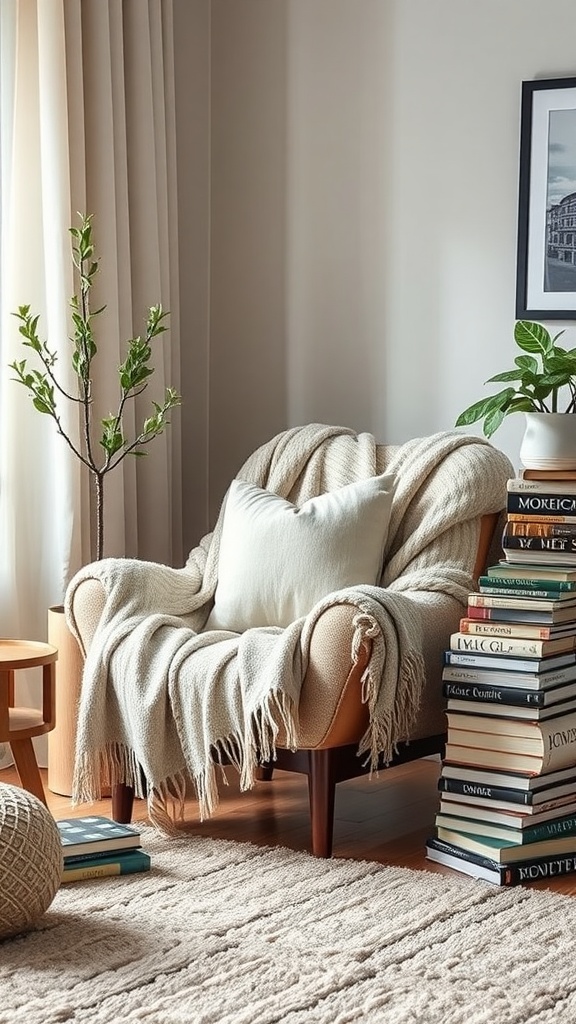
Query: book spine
x=558, y=743
x=523, y=585
x=503, y=645
x=547, y=474
x=522, y=485
x=548, y=830
x=552, y=517
x=477, y=789
x=83, y=858
x=559, y=740
x=536, y=870
x=483, y=661
x=494, y=695
x=96, y=869
x=542, y=504
x=505, y=593
x=540, y=529
x=511, y=542
x=513, y=629
x=500, y=601
x=529, y=870
x=460, y=673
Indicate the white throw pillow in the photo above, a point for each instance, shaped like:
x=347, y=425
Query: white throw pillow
x=277, y=561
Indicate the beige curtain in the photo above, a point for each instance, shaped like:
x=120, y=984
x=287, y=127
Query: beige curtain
x=86, y=124
x=120, y=88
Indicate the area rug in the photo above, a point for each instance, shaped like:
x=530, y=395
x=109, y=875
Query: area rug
x=231, y=933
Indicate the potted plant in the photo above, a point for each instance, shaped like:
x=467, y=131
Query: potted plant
x=101, y=448
x=542, y=385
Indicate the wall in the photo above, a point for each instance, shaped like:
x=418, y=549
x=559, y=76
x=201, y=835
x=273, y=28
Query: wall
x=363, y=194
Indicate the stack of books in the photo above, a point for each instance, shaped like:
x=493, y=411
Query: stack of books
x=97, y=847
x=508, y=781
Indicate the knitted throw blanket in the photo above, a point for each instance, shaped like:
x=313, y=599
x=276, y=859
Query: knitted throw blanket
x=165, y=703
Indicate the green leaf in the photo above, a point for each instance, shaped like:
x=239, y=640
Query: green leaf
x=527, y=363
x=532, y=337
x=508, y=375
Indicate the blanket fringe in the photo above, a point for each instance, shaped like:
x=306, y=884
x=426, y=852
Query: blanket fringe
x=388, y=724
x=109, y=766
x=166, y=804
x=380, y=741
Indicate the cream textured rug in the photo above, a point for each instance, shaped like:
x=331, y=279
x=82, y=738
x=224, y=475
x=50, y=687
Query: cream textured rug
x=230, y=933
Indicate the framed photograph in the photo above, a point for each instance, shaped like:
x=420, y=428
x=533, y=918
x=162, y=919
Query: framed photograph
x=546, y=266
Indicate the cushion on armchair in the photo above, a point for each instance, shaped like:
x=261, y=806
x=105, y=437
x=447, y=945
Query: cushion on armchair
x=277, y=560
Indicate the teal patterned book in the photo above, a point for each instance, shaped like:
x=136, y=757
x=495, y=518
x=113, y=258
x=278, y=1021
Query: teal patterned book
x=93, y=833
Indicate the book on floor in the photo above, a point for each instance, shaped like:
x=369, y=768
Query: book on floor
x=478, y=866
x=507, y=800
x=563, y=559
x=541, y=504
x=517, y=819
x=123, y=862
x=540, y=528
x=500, y=756
x=536, y=572
x=536, y=545
x=527, y=586
x=524, y=735
x=547, y=474
x=516, y=781
x=530, y=485
x=508, y=662
x=469, y=676
x=525, y=630
x=507, y=609
x=534, y=517
x=486, y=828
x=527, y=710
x=95, y=833
x=503, y=851
x=511, y=646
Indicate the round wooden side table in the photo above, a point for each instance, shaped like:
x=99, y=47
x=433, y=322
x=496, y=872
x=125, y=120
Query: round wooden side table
x=18, y=725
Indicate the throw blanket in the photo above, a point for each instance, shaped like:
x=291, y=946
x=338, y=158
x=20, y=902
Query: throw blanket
x=164, y=701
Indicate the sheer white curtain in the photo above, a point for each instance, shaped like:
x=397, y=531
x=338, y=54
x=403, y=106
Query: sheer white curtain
x=86, y=124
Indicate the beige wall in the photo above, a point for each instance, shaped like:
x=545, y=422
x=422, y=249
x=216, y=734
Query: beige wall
x=359, y=159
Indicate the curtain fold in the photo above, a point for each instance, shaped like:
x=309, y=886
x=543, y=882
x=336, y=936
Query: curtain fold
x=86, y=125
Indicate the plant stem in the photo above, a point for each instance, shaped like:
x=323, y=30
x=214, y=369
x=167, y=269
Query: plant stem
x=99, y=478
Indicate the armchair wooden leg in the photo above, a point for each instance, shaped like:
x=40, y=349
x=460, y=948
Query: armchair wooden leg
x=122, y=803
x=264, y=771
x=322, y=793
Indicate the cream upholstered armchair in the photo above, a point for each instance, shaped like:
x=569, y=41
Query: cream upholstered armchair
x=353, y=668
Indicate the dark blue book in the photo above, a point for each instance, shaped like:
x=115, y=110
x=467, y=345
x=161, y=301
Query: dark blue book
x=521, y=873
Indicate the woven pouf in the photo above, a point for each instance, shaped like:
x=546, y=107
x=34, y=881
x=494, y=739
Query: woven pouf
x=30, y=860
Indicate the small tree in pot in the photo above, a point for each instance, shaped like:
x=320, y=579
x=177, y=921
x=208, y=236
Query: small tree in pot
x=538, y=377
x=133, y=376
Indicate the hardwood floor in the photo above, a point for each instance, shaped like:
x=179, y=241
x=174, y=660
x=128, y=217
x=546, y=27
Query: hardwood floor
x=386, y=819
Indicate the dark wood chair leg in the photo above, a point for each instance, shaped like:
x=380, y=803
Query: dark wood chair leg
x=322, y=793
x=122, y=803
x=265, y=771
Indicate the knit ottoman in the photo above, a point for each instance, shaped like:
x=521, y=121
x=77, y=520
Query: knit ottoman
x=30, y=860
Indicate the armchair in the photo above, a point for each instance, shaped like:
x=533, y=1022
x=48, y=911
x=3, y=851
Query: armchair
x=367, y=660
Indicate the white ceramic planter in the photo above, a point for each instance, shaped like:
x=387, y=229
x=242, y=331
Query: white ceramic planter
x=549, y=441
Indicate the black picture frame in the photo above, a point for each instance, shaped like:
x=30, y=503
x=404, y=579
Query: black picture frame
x=546, y=255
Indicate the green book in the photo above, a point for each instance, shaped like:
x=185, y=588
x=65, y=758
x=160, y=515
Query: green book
x=556, y=828
x=505, y=852
x=522, y=585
